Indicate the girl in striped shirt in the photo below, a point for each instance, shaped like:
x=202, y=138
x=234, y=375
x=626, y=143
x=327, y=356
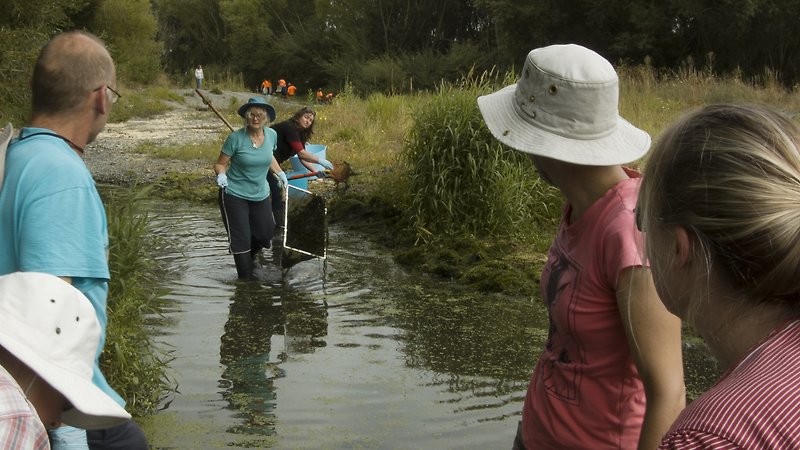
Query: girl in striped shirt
x=720, y=207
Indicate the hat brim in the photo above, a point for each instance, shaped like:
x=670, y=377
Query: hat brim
x=626, y=144
x=5, y=135
x=5, y=138
x=92, y=408
x=266, y=106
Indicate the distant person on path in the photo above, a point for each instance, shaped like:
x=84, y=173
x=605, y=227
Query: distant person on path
x=53, y=219
x=293, y=134
x=291, y=89
x=610, y=375
x=266, y=87
x=320, y=96
x=719, y=207
x=241, y=171
x=281, y=89
x=49, y=336
x=198, y=76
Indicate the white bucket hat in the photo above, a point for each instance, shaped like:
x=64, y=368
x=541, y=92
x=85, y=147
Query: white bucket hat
x=52, y=328
x=565, y=107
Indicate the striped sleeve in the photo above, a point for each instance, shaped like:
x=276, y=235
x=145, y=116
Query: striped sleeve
x=695, y=440
x=20, y=426
x=754, y=406
x=23, y=432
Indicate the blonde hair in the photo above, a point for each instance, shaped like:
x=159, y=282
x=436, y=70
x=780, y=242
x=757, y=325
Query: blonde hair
x=730, y=174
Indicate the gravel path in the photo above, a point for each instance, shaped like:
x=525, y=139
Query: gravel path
x=111, y=157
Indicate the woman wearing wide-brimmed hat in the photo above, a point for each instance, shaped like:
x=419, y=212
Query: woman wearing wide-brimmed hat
x=241, y=170
x=610, y=375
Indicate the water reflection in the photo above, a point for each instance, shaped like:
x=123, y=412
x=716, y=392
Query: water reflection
x=352, y=352
x=262, y=316
x=245, y=347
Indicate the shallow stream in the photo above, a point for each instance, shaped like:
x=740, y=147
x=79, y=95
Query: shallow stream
x=351, y=352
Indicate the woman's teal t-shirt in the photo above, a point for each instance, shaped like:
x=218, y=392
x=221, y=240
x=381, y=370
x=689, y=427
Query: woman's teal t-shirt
x=247, y=173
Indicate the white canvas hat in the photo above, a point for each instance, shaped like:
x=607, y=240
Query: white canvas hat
x=52, y=328
x=565, y=107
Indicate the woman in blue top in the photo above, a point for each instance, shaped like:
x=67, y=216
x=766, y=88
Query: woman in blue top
x=241, y=170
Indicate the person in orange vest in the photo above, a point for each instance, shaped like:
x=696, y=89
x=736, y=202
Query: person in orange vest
x=281, y=88
x=266, y=87
x=291, y=89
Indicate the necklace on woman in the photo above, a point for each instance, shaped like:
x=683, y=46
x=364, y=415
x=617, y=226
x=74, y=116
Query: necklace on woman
x=257, y=140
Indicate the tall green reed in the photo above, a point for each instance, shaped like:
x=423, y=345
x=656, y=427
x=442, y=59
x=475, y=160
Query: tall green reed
x=462, y=181
x=131, y=362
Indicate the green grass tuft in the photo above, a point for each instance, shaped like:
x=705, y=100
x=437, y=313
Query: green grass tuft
x=131, y=362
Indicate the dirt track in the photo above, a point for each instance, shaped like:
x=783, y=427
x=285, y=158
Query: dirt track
x=111, y=157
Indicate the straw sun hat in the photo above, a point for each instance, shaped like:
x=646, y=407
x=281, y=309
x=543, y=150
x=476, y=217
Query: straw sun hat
x=564, y=106
x=52, y=328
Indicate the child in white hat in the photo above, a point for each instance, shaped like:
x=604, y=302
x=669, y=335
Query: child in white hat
x=49, y=335
x=611, y=341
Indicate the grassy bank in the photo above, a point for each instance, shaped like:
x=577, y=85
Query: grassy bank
x=131, y=362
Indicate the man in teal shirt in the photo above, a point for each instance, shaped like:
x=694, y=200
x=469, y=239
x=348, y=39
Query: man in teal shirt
x=52, y=219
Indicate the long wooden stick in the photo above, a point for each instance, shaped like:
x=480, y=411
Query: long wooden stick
x=208, y=102
x=321, y=173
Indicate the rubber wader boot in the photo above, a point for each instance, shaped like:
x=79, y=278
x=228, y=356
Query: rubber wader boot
x=244, y=265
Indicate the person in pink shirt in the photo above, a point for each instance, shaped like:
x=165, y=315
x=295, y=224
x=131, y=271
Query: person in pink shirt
x=720, y=204
x=610, y=375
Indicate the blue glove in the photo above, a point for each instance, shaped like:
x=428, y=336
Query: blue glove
x=282, y=181
x=325, y=163
x=222, y=180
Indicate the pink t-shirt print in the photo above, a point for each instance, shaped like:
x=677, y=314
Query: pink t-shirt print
x=561, y=278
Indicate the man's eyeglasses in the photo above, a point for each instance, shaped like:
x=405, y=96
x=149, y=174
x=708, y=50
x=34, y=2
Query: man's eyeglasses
x=114, y=96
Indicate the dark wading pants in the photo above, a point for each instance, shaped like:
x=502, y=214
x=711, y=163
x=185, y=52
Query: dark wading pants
x=518, y=443
x=250, y=228
x=127, y=436
x=278, y=204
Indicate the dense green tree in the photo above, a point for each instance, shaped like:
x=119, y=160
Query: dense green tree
x=394, y=45
x=248, y=37
x=192, y=32
x=774, y=41
x=129, y=29
x=24, y=28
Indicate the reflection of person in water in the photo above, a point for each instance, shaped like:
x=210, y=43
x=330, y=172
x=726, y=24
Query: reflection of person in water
x=253, y=319
x=251, y=364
